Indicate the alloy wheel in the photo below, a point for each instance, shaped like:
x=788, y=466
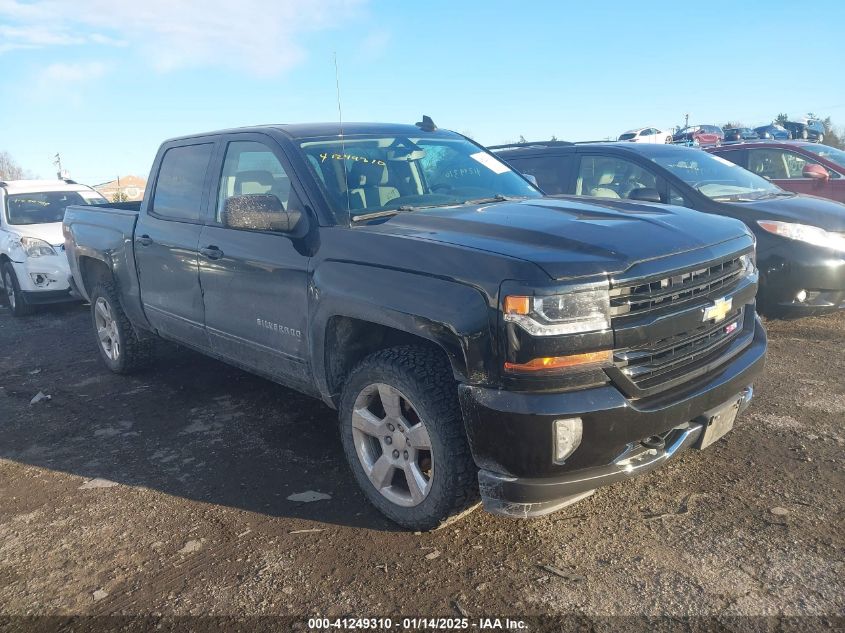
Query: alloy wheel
x=106, y=329
x=392, y=444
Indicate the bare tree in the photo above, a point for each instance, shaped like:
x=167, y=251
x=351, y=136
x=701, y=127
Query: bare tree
x=9, y=168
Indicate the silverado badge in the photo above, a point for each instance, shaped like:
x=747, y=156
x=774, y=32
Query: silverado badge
x=718, y=311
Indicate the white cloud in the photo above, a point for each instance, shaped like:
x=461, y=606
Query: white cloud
x=73, y=72
x=262, y=37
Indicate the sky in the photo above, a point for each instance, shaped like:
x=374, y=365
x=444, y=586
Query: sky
x=103, y=82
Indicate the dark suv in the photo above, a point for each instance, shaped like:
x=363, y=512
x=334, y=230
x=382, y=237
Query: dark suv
x=736, y=134
x=809, y=131
x=800, y=239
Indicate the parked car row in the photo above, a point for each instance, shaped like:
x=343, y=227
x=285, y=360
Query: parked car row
x=800, y=239
x=713, y=135
x=480, y=337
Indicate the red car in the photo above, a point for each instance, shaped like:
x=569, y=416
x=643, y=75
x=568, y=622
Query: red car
x=799, y=166
x=701, y=135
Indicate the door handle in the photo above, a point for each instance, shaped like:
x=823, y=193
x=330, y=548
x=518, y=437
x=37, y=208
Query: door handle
x=212, y=252
x=144, y=240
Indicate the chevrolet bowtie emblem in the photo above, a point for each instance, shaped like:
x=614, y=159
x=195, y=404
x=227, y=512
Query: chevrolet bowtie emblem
x=718, y=311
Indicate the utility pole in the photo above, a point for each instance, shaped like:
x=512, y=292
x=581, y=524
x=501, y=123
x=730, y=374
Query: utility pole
x=686, y=120
x=58, y=163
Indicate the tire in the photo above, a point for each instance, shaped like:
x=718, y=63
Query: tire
x=406, y=398
x=14, y=297
x=120, y=348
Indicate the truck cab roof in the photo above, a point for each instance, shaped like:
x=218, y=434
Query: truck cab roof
x=310, y=130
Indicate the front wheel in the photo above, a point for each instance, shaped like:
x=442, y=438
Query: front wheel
x=120, y=348
x=14, y=296
x=403, y=435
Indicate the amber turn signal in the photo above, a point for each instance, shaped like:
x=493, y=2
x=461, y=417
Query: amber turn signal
x=559, y=362
x=517, y=305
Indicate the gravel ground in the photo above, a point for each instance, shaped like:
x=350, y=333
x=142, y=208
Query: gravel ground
x=167, y=493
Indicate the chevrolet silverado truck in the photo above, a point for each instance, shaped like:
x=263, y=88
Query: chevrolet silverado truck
x=477, y=339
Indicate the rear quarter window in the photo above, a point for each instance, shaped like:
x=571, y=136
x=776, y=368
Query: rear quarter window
x=180, y=185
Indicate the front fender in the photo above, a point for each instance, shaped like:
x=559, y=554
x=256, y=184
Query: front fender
x=454, y=316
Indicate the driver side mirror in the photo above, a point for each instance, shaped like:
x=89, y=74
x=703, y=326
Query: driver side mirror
x=816, y=172
x=259, y=212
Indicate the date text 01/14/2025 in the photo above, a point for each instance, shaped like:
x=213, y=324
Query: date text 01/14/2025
x=417, y=623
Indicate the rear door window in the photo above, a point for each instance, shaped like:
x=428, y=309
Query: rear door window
x=551, y=172
x=180, y=185
x=611, y=177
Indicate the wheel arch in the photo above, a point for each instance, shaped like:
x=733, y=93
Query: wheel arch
x=92, y=271
x=361, y=310
x=349, y=340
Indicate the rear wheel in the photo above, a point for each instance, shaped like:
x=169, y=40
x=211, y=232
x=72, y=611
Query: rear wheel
x=120, y=348
x=403, y=435
x=17, y=303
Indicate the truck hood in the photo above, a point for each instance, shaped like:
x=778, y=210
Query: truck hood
x=50, y=233
x=567, y=236
x=820, y=212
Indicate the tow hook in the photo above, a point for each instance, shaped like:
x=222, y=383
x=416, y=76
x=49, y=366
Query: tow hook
x=655, y=441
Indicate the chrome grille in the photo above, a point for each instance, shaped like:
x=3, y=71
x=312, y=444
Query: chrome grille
x=657, y=294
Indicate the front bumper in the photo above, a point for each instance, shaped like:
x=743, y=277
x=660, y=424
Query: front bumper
x=43, y=274
x=788, y=267
x=512, y=441
x=510, y=496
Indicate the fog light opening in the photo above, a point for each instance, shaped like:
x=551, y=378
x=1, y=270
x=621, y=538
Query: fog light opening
x=568, y=434
x=40, y=279
x=801, y=297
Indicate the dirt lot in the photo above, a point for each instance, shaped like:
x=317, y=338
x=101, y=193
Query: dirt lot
x=166, y=493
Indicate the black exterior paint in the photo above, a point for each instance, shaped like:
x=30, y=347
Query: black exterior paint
x=439, y=275
x=786, y=266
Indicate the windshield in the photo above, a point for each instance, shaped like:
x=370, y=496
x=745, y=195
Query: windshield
x=825, y=151
x=366, y=174
x=715, y=177
x=46, y=206
x=627, y=135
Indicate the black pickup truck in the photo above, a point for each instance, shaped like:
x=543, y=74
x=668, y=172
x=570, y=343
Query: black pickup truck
x=476, y=338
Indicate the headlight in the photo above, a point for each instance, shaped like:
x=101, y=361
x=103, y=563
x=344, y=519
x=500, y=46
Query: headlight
x=34, y=247
x=570, y=313
x=748, y=263
x=805, y=233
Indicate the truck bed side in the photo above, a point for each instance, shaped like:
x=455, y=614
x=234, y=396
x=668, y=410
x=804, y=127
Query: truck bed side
x=99, y=241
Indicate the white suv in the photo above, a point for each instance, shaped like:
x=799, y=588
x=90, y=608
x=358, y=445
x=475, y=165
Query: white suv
x=33, y=265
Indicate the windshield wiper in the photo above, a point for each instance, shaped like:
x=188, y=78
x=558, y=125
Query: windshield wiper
x=494, y=198
x=386, y=213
